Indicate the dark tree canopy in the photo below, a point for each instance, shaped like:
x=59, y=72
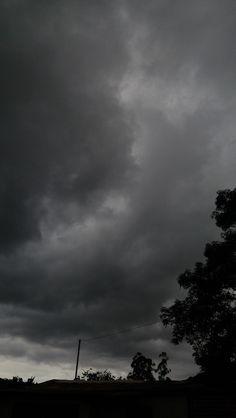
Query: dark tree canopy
x=206, y=318
x=143, y=368
x=91, y=375
x=17, y=381
x=162, y=367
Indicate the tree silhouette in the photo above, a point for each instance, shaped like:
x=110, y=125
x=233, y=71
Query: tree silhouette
x=91, y=375
x=206, y=318
x=162, y=367
x=143, y=368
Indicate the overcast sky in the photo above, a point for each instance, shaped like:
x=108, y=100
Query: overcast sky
x=117, y=128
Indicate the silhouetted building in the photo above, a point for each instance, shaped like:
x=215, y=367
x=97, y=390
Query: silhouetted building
x=58, y=398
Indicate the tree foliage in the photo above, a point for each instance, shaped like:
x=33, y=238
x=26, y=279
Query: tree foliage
x=91, y=375
x=206, y=318
x=143, y=368
x=162, y=367
x=17, y=381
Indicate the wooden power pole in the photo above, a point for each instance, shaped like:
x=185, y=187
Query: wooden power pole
x=77, y=360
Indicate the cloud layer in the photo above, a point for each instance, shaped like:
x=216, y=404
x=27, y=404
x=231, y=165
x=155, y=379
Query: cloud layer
x=117, y=129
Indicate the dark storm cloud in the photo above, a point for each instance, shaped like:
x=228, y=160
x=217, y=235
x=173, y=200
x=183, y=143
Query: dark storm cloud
x=63, y=132
x=116, y=131
x=196, y=34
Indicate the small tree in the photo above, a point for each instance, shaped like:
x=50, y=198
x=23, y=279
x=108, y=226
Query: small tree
x=206, y=318
x=162, y=367
x=91, y=375
x=143, y=368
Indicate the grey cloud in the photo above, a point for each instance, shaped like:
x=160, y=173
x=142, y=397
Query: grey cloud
x=188, y=35
x=117, y=130
x=64, y=133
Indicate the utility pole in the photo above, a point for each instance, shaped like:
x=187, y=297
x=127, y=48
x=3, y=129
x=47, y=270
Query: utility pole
x=77, y=360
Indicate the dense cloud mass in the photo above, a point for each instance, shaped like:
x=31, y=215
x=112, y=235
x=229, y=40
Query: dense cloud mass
x=117, y=129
